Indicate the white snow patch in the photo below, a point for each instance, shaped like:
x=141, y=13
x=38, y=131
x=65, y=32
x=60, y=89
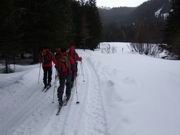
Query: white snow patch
x=158, y=12
x=120, y=93
x=141, y=94
x=165, y=16
x=115, y=47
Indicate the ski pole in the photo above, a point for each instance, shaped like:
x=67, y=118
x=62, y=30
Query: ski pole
x=77, y=100
x=82, y=71
x=54, y=86
x=39, y=72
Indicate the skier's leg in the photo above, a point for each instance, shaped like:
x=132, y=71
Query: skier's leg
x=45, y=78
x=73, y=74
x=75, y=70
x=61, y=90
x=76, y=67
x=49, y=76
x=72, y=79
x=68, y=87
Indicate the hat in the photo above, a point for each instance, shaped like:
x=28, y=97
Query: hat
x=58, y=49
x=63, y=49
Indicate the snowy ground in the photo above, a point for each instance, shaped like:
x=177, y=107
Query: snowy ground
x=120, y=93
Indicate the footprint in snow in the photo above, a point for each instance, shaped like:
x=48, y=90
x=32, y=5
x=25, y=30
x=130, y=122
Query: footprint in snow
x=110, y=83
x=128, y=80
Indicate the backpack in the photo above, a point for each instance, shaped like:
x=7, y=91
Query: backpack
x=46, y=59
x=63, y=65
x=73, y=57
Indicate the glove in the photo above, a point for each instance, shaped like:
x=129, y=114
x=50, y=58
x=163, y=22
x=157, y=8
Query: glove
x=80, y=59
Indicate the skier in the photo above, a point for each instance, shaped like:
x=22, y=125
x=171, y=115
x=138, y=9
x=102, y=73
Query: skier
x=64, y=71
x=58, y=53
x=47, y=58
x=74, y=57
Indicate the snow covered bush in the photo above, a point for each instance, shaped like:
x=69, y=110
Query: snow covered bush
x=147, y=49
x=155, y=50
x=107, y=48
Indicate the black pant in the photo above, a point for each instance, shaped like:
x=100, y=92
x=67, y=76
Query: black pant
x=74, y=73
x=47, y=76
x=62, y=81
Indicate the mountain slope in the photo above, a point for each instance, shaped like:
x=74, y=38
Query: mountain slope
x=115, y=15
x=147, y=10
x=125, y=24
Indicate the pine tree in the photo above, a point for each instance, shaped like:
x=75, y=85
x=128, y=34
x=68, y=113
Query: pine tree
x=93, y=23
x=33, y=24
x=8, y=25
x=9, y=47
x=173, y=27
x=46, y=23
x=77, y=13
x=87, y=24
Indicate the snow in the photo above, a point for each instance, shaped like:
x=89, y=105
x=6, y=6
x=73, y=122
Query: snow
x=119, y=92
x=165, y=16
x=140, y=101
x=158, y=12
x=115, y=47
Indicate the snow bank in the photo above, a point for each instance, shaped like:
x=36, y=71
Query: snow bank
x=120, y=93
x=153, y=50
x=114, y=47
x=141, y=94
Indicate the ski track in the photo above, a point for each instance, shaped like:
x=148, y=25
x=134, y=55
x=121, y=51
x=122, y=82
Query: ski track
x=27, y=110
x=86, y=118
x=94, y=121
x=37, y=116
x=11, y=119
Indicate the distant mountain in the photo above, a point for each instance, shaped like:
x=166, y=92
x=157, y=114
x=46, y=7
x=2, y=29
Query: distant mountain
x=152, y=12
x=149, y=10
x=115, y=15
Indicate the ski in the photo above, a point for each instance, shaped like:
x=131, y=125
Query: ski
x=65, y=103
x=47, y=88
x=59, y=109
x=43, y=89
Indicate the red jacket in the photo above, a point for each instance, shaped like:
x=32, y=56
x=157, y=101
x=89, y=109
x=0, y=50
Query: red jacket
x=63, y=65
x=73, y=56
x=47, y=58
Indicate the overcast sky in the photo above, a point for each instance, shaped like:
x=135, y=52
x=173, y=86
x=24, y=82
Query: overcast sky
x=119, y=3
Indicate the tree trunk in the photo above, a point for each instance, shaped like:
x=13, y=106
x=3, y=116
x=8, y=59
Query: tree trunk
x=14, y=61
x=35, y=55
x=6, y=65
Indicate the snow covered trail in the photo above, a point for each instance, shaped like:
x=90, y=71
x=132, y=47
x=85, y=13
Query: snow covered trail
x=29, y=111
x=94, y=119
x=88, y=117
x=141, y=93
x=24, y=106
x=123, y=94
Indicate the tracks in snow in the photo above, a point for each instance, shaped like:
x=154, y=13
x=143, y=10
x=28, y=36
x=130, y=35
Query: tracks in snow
x=27, y=112
x=94, y=120
x=86, y=118
x=37, y=115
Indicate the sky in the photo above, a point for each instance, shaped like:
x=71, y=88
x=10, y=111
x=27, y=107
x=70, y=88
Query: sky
x=119, y=3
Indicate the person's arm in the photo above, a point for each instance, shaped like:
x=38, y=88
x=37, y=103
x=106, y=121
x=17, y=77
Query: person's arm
x=53, y=59
x=77, y=57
